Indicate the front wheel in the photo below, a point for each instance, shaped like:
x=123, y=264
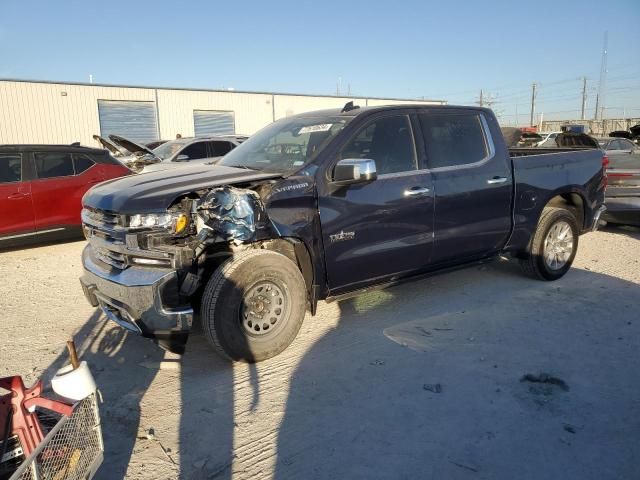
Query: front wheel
x=553, y=246
x=253, y=305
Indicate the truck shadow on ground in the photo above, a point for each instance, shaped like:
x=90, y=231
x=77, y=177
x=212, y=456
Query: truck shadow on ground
x=424, y=381
x=362, y=400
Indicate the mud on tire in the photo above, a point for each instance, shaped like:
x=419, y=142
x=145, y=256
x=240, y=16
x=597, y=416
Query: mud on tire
x=253, y=305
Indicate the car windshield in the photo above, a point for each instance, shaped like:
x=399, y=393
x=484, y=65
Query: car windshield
x=286, y=145
x=168, y=149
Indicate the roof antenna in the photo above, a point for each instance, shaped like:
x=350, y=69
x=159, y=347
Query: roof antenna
x=349, y=106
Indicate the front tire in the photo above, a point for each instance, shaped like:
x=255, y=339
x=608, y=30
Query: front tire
x=253, y=305
x=553, y=246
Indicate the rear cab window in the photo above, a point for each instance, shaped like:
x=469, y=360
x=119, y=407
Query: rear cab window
x=10, y=167
x=454, y=139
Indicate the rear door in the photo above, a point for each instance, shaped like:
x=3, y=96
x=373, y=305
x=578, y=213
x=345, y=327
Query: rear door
x=374, y=231
x=16, y=209
x=473, y=185
x=58, y=189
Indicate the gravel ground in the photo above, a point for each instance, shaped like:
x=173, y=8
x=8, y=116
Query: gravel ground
x=424, y=380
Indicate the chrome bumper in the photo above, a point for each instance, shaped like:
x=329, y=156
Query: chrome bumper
x=596, y=218
x=133, y=299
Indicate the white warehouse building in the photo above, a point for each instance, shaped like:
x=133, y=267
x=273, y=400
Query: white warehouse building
x=63, y=113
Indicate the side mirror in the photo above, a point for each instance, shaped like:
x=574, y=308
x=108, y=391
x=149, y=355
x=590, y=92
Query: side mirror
x=354, y=170
x=182, y=158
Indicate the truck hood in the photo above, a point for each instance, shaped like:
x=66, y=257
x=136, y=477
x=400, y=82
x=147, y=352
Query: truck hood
x=155, y=191
x=130, y=146
x=115, y=151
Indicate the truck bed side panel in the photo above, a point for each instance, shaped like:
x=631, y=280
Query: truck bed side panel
x=539, y=178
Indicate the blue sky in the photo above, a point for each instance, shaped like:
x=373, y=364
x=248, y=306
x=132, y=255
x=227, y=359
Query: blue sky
x=408, y=49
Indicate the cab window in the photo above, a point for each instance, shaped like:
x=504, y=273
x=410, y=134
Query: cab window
x=195, y=150
x=53, y=164
x=81, y=163
x=388, y=141
x=453, y=140
x=220, y=148
x=10, y=167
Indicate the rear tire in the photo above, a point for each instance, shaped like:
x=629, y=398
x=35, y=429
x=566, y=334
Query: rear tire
x=553, y=247
x=253, y=305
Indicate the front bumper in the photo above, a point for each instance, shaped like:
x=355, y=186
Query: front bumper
x=140, y=299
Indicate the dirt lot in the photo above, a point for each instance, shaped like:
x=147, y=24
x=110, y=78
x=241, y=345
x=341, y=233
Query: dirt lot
x=423, y=380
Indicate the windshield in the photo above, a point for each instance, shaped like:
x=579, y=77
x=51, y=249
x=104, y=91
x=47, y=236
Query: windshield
x=286, y=145
x=168, y=149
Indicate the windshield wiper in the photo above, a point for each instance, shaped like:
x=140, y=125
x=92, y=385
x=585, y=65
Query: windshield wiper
x=242, y=166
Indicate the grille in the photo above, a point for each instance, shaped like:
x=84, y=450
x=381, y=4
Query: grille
x=106, y=227
x=101, y=217
x=110, y=257
x=72, y=449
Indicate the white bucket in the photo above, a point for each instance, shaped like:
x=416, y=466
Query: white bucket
x=73, y=384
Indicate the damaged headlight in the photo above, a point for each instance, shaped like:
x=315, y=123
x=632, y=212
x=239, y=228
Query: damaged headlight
x=233, y=213
x=175, y=222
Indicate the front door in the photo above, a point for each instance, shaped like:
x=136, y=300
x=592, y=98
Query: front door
x=376, y=230
x=16, y=209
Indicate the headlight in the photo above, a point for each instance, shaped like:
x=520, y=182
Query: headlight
x=175, y=222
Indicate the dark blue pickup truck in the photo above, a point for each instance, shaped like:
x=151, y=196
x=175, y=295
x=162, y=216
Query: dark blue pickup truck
x=320, y=206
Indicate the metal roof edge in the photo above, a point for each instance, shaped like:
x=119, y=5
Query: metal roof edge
x=83, y=84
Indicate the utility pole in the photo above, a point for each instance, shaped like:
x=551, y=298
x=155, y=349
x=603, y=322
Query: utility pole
x=533, y=103
x=584, y=96
x=481, y=98
x=603, y=77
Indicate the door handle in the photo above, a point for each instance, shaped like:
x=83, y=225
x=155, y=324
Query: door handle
x=416, y=191
x=17, y=196
x=494, y=180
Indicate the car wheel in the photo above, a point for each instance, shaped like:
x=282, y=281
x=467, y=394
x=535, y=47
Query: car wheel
x=253, y=305
x=553, y=246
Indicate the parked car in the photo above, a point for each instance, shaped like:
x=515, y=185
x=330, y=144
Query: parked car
x=173, y=152
x=529, y=139
x=548, y=139
x=41, y=187
x=623, y=192
x=320, y=206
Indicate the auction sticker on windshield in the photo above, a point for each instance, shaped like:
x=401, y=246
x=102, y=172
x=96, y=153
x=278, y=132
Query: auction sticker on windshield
x=323, y=127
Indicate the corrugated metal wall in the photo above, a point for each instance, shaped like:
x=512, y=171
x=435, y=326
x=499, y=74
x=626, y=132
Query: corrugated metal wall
x=133, y=120
x=208, y=123
x=39, y=112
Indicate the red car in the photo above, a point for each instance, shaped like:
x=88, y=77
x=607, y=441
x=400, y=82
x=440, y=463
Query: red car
x=41, y=187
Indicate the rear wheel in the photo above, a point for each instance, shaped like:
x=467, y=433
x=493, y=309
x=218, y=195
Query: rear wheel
x=553, y=246
x=253, y=305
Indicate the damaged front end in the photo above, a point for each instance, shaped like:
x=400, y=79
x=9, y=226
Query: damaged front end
x=230, y=214
x=144, y=270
